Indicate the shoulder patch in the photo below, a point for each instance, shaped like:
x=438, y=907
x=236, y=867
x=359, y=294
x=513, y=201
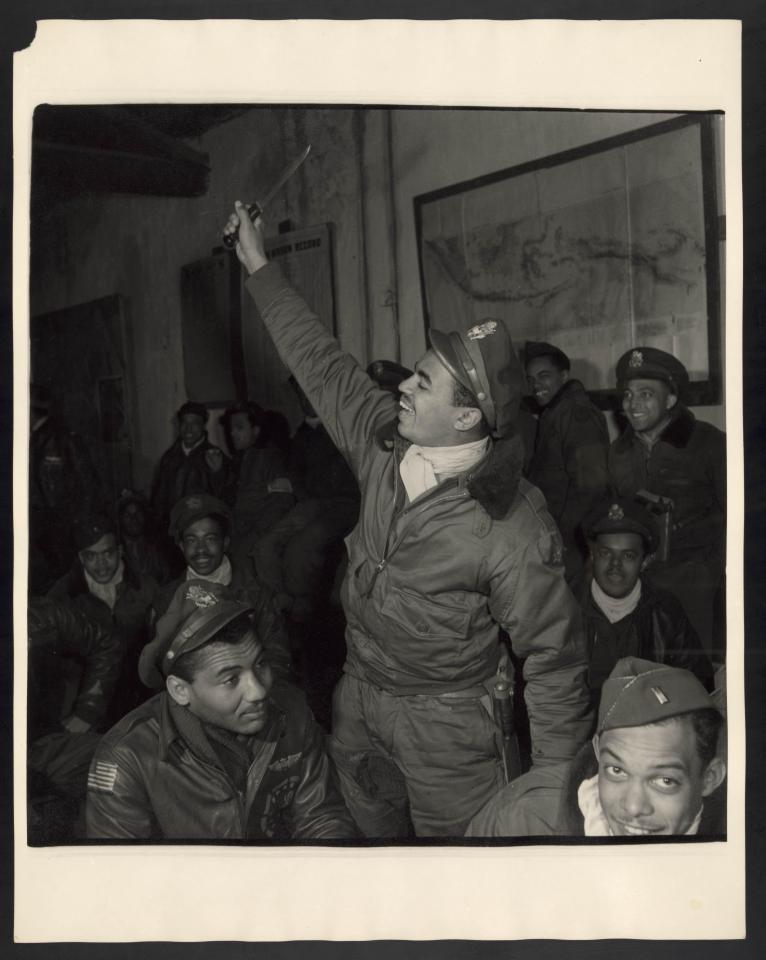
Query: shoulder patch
x=102, y=776
x=552, y=550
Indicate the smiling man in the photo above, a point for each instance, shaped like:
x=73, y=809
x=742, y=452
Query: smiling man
x=653, y=768
x=668, y=453
x=224, y=752
x=569, y=464
x=451, y=543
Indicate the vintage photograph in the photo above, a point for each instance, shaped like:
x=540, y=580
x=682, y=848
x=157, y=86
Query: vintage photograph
x=377, y=476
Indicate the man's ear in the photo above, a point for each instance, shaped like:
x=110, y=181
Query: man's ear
x=564, y=375
x=225, y=544
x=647, y=561
x=671, y=401
x=178, y=690
x=714, y=776
x=594, y=744
x=469, y=418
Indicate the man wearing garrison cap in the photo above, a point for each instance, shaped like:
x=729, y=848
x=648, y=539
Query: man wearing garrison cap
x=224, y=751
x=667, y=453
x=190, y=465
x=571, y=446
x=451, y=543
x=653, y=768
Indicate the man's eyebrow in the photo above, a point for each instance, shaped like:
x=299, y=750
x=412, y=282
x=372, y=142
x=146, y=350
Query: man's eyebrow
x=422, y=373
x=661, y=765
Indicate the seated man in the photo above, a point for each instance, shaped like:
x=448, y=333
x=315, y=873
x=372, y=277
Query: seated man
x=651, y=770
x=145, y=549
x=105, y=589
x=191, y=465
x=569, y=464
x=223, y=752
x=72, y=668
x=623, y=613
x=199, y=524
x=666, y=452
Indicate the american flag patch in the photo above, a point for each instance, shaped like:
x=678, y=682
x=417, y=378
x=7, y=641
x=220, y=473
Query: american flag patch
x=102, y=776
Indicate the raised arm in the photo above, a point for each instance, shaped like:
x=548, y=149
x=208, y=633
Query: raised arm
x=350, y=405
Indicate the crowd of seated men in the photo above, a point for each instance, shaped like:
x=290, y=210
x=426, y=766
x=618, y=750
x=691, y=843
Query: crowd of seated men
x=183, y=646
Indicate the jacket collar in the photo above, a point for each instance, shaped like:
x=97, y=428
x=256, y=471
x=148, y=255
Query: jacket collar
x=569, y=391
x=76, y=584
x=493, y=482
x=677, y=433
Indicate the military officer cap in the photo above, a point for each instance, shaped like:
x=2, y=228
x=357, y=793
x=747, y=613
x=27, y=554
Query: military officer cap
x=483, y=360
x=648, y=363
x=538, y=348
x=194, y=408
x=619, y=515
x=639, y=692
x=194, y=507
x=88, y=530
x=197, y=612
x=388, y=374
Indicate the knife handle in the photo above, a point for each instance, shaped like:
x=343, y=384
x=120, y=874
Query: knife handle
x=230, y=239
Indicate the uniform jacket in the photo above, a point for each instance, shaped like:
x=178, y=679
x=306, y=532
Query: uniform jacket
x=57, y=631
x=429, y=582
x=255, y=506
x=130, y=616
x=179, y=474
x=268, y=620
x=657, y=630
x=543, y=803
x=155, y=775
x=687, y=464
x=570, y=459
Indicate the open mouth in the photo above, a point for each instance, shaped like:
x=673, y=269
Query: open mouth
x=633, y=830
x=406, y=406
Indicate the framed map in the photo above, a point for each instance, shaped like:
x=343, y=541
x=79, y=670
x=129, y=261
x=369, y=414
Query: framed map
x=598, y=249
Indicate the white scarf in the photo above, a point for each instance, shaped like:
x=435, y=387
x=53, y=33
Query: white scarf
x=595, y=822
x=424, y=467
x=615, y=608
x=188, y=450
x=106, y=591
x=222, y=573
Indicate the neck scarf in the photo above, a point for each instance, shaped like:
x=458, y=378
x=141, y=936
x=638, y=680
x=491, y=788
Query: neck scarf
x=106, y=591
x=615, y=608
x=424, y=467
x=188, y=450
x=222, y=574
x=595, y=822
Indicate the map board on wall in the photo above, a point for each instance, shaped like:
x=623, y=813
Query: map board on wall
x=598, y=249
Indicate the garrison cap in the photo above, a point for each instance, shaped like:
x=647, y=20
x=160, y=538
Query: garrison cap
x=648, y=363
x=639, y=692
x=539, y=348
x=194, y=507
x=193, y=408
x=620, y=515
x=484, y=361
x=89, y=529
x=388, y=374
x=197, y=612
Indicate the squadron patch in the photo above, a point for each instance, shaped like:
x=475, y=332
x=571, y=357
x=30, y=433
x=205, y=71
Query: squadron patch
x=482, y=330
x=102, y=776
x=201, y=597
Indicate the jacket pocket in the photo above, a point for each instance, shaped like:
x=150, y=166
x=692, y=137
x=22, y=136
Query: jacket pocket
x=426, y=617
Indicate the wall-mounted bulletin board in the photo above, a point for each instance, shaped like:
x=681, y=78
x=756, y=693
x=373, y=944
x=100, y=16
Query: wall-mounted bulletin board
x=597, y=249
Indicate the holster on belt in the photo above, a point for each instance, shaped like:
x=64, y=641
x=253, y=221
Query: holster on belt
x=661, y=509
x=500, y=688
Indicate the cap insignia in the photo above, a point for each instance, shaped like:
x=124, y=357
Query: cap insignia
x=482, y=330
x=660, y=694
x=636, y=359
x=201, y=597
x=193, y=503
x=616, y=512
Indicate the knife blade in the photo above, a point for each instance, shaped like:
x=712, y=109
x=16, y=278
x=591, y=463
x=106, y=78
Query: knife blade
x=256, y=208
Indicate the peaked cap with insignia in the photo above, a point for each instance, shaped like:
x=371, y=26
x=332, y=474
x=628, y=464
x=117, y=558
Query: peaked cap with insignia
x=648, y=363
x=194, y=507
x=639, y=692
x=620, y=515
x=198, y=610
x=484, y=361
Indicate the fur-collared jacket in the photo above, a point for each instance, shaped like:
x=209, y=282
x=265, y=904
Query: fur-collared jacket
x=687, y=464
x=429, y=582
